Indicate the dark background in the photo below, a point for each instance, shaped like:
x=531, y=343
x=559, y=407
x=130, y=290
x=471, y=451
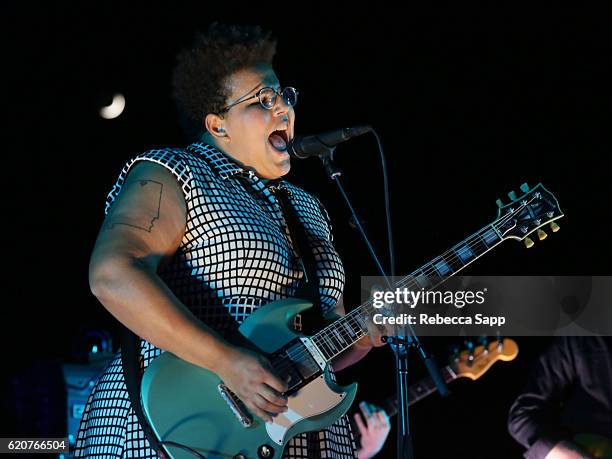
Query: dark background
x=469, y=105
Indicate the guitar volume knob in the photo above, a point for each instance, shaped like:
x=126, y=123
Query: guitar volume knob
x=265, y=452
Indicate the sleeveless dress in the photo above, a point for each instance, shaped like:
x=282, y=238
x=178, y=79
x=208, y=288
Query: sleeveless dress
x=235, y=257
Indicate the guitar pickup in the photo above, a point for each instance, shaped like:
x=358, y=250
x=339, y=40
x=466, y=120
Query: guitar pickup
x=314, y=352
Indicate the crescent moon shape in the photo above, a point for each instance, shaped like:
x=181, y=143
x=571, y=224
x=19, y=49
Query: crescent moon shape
x=114, y=109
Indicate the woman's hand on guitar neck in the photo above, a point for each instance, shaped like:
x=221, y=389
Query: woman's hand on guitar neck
x=376, y=332
x=251, y=377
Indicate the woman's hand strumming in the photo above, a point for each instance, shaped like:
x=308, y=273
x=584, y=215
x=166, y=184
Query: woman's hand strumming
x=251, y=377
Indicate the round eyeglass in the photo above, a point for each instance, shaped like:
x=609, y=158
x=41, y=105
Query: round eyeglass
x=268, y=96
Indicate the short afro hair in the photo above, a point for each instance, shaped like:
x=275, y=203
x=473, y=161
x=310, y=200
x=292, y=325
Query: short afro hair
x=201, y=72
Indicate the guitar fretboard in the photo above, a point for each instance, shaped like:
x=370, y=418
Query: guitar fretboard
x=419, y=390
x=416, y=392
x=344, y=332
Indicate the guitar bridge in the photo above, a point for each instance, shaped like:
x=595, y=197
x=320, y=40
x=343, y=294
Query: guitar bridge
x=235, y=405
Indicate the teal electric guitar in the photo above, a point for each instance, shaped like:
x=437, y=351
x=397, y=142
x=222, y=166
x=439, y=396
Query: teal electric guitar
x=194, y=413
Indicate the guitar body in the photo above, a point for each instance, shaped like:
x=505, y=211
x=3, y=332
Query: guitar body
x=183, y=403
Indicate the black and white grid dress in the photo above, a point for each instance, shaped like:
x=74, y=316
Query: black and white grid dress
x=235, y=256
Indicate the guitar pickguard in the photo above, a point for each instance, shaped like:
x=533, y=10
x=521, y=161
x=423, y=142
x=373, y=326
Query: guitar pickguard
x=313, y=399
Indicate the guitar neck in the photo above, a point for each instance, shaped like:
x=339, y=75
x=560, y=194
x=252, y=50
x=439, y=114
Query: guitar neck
x=347, y=330
x=419, y=390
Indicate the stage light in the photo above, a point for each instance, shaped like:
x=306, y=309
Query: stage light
x=114, y=109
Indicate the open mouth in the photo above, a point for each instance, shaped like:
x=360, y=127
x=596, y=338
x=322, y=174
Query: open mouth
x=279, y=140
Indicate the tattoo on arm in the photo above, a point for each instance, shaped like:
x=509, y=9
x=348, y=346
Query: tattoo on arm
x=146, y=225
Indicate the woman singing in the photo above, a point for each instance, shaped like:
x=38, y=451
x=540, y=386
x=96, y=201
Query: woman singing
x=194, y=241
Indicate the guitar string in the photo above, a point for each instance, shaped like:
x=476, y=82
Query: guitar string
x=449, y=375
x=322, y=341
x=478, y=356
x=478, y=236
x=323, y=337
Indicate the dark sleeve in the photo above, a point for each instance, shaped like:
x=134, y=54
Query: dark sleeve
x=534, y=419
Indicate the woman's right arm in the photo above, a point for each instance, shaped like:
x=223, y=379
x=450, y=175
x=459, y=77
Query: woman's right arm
x=142, y=230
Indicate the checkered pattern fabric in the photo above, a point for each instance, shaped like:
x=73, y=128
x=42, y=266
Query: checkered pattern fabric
x=235, y=256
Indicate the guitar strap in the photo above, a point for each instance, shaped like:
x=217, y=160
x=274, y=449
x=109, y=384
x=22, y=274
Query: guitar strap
x=130, y=362
x=309, y=288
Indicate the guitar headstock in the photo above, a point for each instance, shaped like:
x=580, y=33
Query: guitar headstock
x=528, y=213
x=476, y=360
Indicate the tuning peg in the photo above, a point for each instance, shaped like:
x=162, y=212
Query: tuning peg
x=499, y=203
x=541, y=235
x=454, y=351
x=470, y=347
x=528, y=242
x=484, y=341
x=554, y=227
x=512, y=195
x=524, y=188
x=500, y=342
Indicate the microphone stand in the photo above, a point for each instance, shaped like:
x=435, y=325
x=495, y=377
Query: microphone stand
x=400, y=344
